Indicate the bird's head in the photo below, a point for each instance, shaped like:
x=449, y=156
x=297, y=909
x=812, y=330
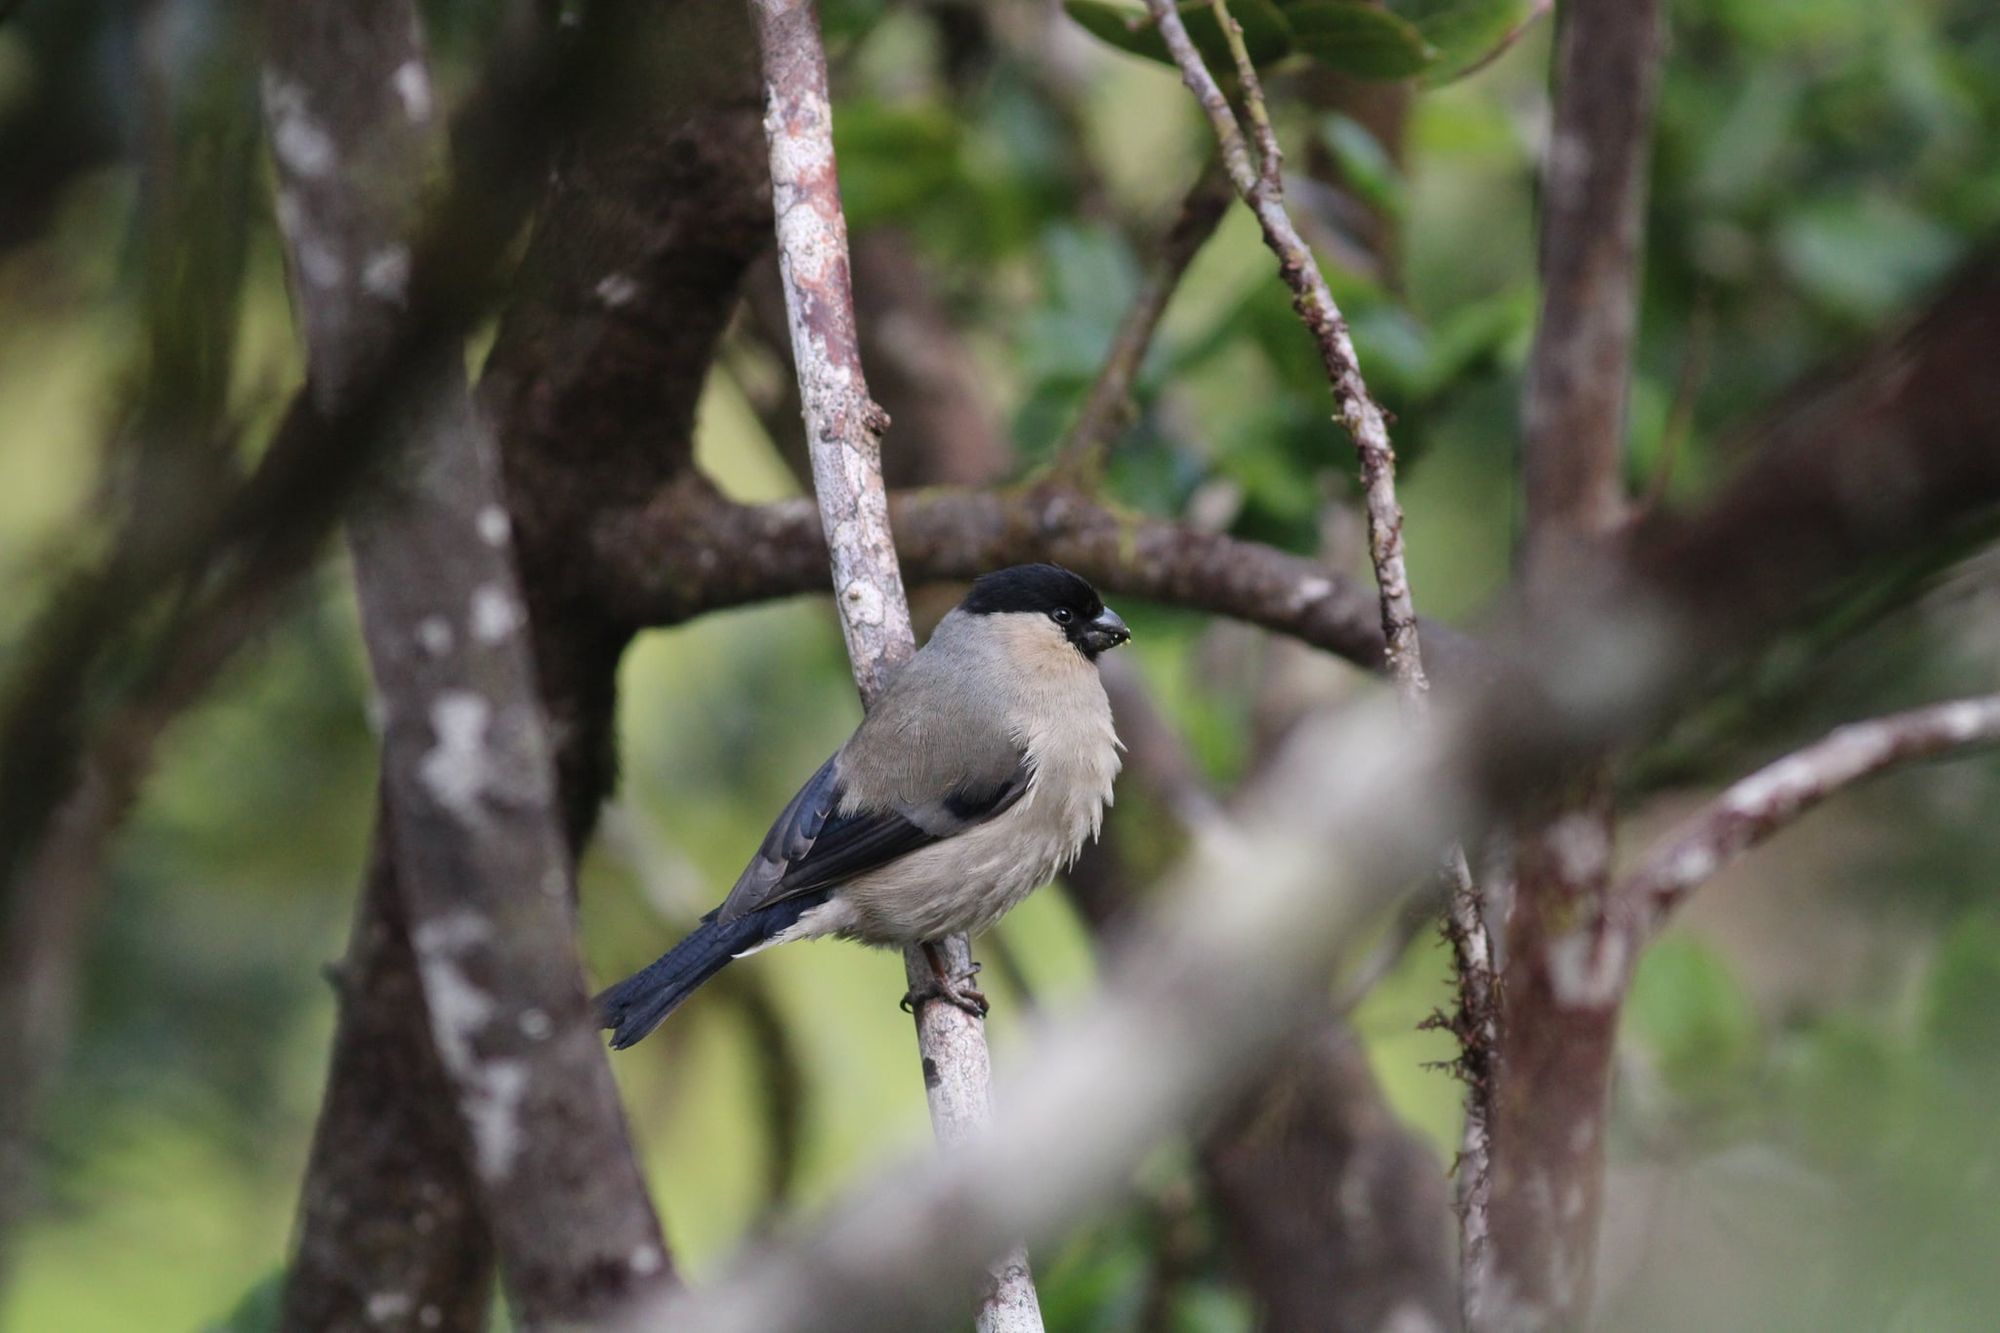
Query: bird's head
x=1066, y=601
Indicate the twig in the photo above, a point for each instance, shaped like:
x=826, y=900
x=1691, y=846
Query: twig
x=1108, y=406
x=844, y=429
x=1508, y=39
x=1753, y=808
x=1262, y=189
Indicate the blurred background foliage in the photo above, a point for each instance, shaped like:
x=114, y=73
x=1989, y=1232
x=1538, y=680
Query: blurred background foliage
x=1810, y=1061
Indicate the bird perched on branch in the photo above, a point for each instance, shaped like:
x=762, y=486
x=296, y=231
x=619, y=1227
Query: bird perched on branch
x=975, y=778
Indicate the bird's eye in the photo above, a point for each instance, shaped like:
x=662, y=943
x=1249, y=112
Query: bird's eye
x=1062, y=615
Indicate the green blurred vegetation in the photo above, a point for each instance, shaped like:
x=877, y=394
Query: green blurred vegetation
x=1818, y=1092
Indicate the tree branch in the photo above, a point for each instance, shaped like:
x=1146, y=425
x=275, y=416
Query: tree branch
x=1554, y=1057
x=1294, y=1151
x=1753, y=808
x=1593, y=200
x=844, y=430
x=659, y=567
x=1079, y=458
x=1262, y=189
x=473, y=831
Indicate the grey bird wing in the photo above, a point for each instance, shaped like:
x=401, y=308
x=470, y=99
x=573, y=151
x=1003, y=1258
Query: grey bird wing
x=929, y=783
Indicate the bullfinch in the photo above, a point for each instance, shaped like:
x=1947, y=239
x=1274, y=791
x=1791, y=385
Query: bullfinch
x=974, y=779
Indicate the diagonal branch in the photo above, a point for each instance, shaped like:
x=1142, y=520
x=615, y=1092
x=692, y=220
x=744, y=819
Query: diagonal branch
x=844, y=430
x=1108, y=406
x=1755, y=807
x=1262, y=188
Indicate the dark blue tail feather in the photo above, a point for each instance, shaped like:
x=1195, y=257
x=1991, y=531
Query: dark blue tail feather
x=638, y=1004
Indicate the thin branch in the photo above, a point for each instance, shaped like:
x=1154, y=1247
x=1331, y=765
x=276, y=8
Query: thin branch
x=1262, y=189
x=1508, y=39
x=1263, y=192
x=844, y=429
x=1108, y=406
x=1753, y=808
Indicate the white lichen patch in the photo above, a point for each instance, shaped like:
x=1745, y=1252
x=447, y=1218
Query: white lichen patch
x=1969, y=719
x=647, y=1259
x=617, y=289
x=386, y=1306
x=1778, y=784
x=1309, y=591
x=434, y=635
x=493, y=525
x=1693, y=863
x=301, y=145
x=865, y=604
x=536, y=1025
x=1580, y=846
x=1409, y=1318
x=452, y=934
x=459, y=1010
x=1587, y=970
x=459, y=767
x=385, y=274
x=492, y=1104
x=318, y=263
x=413, y=88
x=495, y=614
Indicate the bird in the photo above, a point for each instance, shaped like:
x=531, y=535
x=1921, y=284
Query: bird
x=976, y=777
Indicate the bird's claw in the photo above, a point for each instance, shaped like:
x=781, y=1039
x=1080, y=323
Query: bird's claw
x=950, y=989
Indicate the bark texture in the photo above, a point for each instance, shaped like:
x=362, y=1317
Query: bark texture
x=1557, y=1033
x=844, y=428
x=643, y=236
x=390, y=1234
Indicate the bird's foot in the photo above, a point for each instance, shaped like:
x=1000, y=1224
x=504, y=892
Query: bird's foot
x=953, y=990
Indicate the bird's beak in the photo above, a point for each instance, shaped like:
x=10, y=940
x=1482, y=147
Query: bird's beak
x=1107, y=631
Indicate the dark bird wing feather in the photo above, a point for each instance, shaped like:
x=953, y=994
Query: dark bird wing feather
x=814, y=845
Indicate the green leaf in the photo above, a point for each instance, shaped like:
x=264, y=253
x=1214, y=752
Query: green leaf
x=1689, y=1006
x=1358, y=39
x=1266, y=34
x=1463, y=31
x=1964, y=992
x=1364, y=163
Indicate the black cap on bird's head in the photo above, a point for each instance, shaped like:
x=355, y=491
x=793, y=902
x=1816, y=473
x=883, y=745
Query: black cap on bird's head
x=1050, y=590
